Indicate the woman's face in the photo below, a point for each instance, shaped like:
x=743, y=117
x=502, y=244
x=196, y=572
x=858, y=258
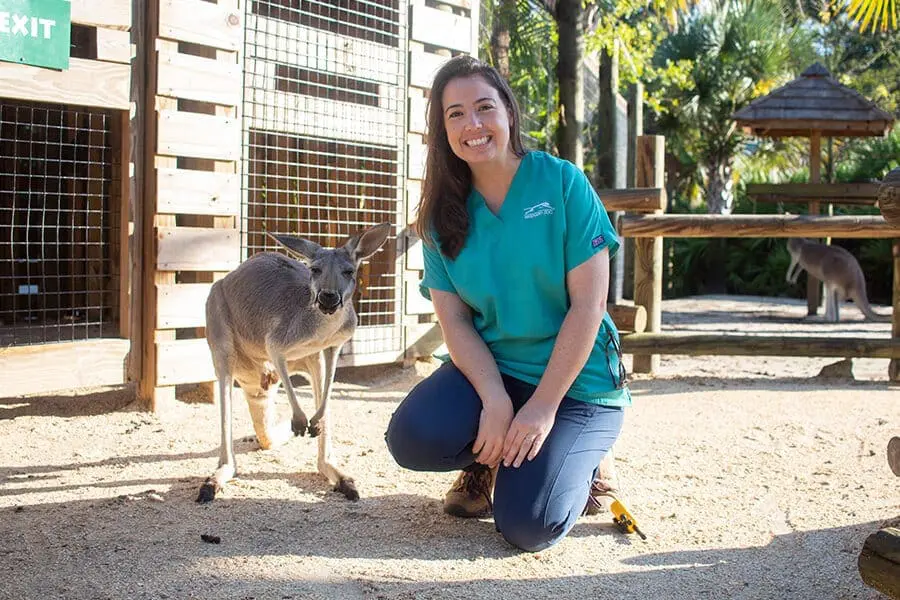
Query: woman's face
x=476, y=119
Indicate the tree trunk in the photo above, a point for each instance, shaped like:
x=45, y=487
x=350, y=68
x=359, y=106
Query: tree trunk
x=504, y=22
x=719, y=188
x=720, y=199
x=570, y=74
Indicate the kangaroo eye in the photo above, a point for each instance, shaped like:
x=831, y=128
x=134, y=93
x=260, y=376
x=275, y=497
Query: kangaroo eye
x=348, y=273
x=315, y=270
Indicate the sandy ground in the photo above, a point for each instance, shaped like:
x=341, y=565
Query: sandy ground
x=752, y=478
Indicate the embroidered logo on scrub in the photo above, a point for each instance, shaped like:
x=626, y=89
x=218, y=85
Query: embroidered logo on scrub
x=538, y=210
x=595, y=243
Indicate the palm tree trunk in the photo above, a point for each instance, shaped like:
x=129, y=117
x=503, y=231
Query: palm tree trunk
x=719, y=188
x=570, y=74
x=504, y=22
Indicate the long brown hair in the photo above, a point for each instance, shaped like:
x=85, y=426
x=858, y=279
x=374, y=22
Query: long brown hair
x=448, y=179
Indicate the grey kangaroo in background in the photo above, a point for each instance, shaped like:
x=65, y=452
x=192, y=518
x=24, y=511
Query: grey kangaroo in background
x=838, y=270
x=274, y=316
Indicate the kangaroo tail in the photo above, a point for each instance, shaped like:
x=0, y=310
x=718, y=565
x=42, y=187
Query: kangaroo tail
x=862, y=301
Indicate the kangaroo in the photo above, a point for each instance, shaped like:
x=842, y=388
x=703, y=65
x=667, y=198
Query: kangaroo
x=838, y=270
x=274, y=316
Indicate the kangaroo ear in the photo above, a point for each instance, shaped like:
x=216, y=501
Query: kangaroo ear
x=304, y=249
x=365, y=243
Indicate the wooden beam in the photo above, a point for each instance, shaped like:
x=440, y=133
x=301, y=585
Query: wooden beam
x=702, y=344
x=113, y=14
x=185, y=191
x=813, y=285
x=634, y=199
x=51, y=367
x=879, y=561
x=114, y=45
x=648, y=252
x=85, y=83
x=197, y=78
x=197, y=249
x=182, y=305
x=894, y=366
x=783, y=226
x=628, y=319
x=195, y=135
x=201, y=22
x=835, y=193
x=440, y=28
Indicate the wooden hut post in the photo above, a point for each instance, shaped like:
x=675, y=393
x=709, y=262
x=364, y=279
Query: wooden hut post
x=894, y=366
x=813, y=285
x=648, y=252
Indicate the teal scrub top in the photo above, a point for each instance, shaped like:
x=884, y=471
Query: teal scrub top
x=512, y=273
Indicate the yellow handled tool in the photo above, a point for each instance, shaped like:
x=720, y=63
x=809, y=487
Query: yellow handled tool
x=623, y=518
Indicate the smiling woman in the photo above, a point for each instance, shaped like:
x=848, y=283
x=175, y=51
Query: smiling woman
x=516, y=256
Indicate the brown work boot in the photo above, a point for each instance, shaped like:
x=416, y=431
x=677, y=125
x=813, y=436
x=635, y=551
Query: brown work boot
x=606, y=482
x=470, y=495
x=599, y=500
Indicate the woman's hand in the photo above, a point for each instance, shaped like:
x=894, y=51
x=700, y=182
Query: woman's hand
x=527, y=432
x=492, y=426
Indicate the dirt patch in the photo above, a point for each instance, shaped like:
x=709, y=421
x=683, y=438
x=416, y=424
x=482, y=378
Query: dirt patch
x=751, y=477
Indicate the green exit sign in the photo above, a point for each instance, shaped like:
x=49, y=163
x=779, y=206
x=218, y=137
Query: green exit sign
x=36, y=32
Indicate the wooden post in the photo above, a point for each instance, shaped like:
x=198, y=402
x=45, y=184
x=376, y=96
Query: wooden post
x=894, y=366
x=648, y=252
x=635, y=130
x=815, y=176
x=879, y=561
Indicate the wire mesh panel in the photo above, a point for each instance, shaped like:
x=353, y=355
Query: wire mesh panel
x=57, y=225
x=324, y=119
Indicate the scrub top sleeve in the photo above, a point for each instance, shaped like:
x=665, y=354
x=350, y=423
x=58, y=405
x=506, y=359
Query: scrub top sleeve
x=435, y=273
x=588, y=228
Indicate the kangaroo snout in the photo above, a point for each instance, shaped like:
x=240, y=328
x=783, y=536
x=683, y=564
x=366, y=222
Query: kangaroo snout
x=329, y=301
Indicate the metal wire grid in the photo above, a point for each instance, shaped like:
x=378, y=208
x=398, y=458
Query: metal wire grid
x=56, y=226
x=324, y=119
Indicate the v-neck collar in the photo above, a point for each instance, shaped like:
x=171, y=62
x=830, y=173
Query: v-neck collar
x=481, y=203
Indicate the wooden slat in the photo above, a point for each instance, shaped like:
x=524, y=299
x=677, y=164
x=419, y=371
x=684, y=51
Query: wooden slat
x=182, y=191
x=418, y=119
x=201, y=22
x=114, y=14
x=416, y=303
x=633, y=199
x=423, y=66
x=305, y=115
x=441, y=28
x=183, y=361
x=782, y=226
x=85, y=83
x=53, y=367
x=818, y=191
x=417, y=154
x=182, y=305
x=114, y=45
x=800, y=128
x=413, y=196
x=467, y=4
x=197, y=249
x=196, y=78
x=415, y=260
x=759, y=345
x=310, y=48
x=198, y=136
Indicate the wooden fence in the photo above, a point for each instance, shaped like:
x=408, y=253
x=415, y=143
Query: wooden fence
x=648, y=230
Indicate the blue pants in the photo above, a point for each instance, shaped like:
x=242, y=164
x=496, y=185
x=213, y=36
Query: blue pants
x=536, y=505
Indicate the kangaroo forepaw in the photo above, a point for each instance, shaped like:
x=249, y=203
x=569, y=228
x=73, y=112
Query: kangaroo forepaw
x=347, y=487
x=207, y=491
x=315, y=428
x=299, y=426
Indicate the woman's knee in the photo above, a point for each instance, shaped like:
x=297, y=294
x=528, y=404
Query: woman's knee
x=420, y=442
x=527, y=532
